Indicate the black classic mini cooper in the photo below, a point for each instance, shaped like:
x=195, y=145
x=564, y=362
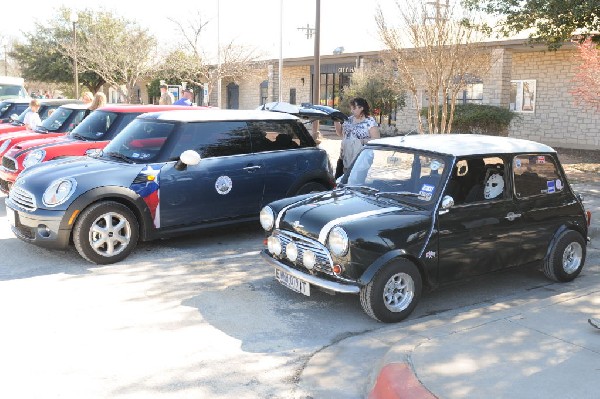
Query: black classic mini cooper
x=417, y=211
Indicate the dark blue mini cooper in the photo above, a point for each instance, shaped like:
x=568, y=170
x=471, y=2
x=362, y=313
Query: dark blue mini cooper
x=418, y=211
x=165, y=173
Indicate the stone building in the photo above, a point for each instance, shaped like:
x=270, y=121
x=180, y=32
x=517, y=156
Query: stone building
x=529, y=80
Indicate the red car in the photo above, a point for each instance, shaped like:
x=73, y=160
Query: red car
x=45, y=106
x=92, y=135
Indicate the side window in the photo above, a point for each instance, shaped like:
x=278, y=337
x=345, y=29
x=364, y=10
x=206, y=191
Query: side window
x=477, y=179
x=535, y=175
x=212, y=139
x=277, y=135
x=47, y=111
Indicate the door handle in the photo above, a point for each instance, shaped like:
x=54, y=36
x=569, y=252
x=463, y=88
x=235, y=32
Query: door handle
x=251, y=168
x=512, y=216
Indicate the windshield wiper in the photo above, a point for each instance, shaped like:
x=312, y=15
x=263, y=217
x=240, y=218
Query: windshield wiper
x=41, y=129
x=394, y=194
x=79, y=137
x=363, y=189
x=118, y=155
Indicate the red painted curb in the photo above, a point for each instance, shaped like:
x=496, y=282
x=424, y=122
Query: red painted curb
x=397, y=381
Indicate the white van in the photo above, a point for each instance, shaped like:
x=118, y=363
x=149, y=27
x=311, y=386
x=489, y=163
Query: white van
x=12, y=87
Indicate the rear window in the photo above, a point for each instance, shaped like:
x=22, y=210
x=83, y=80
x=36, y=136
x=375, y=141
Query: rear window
x=536, y=175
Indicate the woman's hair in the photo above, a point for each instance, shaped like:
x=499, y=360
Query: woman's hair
x=361, y=102
x=87, y=94
x=99, y=101
x=34, y=103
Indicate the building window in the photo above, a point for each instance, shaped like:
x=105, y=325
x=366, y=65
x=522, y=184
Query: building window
x=522, y=95
x=264, y=92
x=292, y=96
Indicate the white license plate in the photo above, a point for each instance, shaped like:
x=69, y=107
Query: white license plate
x=293, y=283
x=10, y=215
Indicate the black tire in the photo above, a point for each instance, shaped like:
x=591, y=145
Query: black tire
x=120, y=241
x=384, y=301
x=566, y=257
x=311, y=187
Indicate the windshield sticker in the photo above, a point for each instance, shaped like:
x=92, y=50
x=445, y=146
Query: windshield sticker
x=518, y=163
x=99, y=134
x=426, y=192
x=223, y=185
x=540, y=159
x=393, y=160
x=551, y=186
x=146, y=184
x=559, y=185
x=135, y=155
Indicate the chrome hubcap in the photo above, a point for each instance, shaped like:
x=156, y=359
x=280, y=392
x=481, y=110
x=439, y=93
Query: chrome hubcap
x=110, y=234
x=572, y=257
x=398, y=292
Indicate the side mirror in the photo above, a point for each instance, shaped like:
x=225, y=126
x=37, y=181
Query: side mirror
x=447, y=202
x=580, y=197
x=187, y=158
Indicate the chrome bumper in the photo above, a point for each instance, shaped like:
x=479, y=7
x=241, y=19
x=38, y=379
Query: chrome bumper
x=309, y=278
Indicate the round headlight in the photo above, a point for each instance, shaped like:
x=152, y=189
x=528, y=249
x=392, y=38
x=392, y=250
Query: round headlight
x=274, y=245
x=338, y=241
x=309, y=260
x=291, y=251
x=59, y=191
x=34, y=157
x=267, y=218
x=4, y=145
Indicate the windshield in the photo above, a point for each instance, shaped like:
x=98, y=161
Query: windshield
x=57, y=119
x=398, y=174
x=12, y=91
x=96, y=126
x=141, y=141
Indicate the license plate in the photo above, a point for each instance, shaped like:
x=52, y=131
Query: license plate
x=293, y=283
x=10, y=215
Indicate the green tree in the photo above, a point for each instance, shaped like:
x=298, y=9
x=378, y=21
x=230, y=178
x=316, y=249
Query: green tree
x=553, y=21
x=379, y=85
x=40, y=58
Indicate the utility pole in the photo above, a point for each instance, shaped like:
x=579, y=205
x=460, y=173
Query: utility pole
x=317, y=67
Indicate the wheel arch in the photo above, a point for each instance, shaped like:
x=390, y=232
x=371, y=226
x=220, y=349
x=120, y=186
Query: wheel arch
x=118, y=194
x=563, y=228
x=316, y=177
x=391, y=256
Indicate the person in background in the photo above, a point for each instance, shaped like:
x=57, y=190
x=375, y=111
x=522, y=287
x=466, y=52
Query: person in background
x=99, y=101
x=166, y=98
x=87, y=97
x=187, y=98
x=359, y=128
x=32, y=118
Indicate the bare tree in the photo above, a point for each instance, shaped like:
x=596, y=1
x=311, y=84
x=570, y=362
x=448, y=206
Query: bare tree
x=118, y=50
x=191, y=63
x=436, y=51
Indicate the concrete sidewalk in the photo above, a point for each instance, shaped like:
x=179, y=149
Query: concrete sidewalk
x=538, y=347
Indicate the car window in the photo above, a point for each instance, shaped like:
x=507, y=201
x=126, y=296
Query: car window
x=141, y=141
x=4, y=107
x=277, y=135
x=95, y=126
x=212, y=139
x=536, y=175
x=477, y=179
x=44, y=110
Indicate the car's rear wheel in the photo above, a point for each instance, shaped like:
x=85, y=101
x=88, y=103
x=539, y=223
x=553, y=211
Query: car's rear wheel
x=106, y=232
x=311, y=187
x=566, y=257
x=393, y=293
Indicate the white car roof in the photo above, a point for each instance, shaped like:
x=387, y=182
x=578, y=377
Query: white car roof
x=464, y=144
x=223, y=115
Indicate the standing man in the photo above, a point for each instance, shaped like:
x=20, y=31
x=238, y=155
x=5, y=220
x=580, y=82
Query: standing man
x=187, y=98
x=166, y=98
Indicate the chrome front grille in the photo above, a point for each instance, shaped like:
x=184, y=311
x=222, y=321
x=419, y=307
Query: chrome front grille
x=23, y=198
x=324, y=262
x=9, y=163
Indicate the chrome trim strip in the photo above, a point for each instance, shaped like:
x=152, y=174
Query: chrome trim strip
x=285, y=208
x=327, y=228
x=312, y=280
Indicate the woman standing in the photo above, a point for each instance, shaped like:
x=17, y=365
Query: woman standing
x=356, y=131
x=32, y=118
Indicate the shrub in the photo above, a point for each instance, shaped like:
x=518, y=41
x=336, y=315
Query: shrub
x=480, y=119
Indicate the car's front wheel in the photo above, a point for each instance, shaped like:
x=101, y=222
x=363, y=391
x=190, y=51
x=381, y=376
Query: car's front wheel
x=393, y=293
x=106, y=232
x=566, y=257
x=311, y=187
